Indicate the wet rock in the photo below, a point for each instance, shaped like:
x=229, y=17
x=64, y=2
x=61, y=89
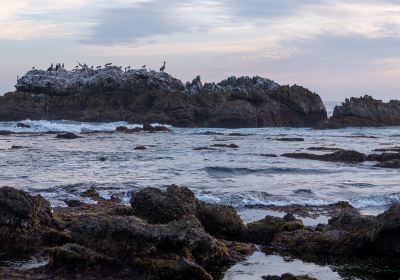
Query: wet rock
x=365, y=112
x=172, y=269
x=391, y=149
x=290, y=139
x=92, y=193
x=156, y=206
x=128, y=130
x=73, y=203
x=269, y=155
x=23, y=218
x=5, y=132
x=230, y=146
x=140, y=148
x=264, y=231
x=383, y=157
x=74, y=256
x=221, y=221
x=158, y=128
x=68, y=135
x=395, y=163
x=288, y=276
x=22, y=125
x=16, y=147
x=339, y=156
x=129, y=238
x=330, y=149
x=204, y=149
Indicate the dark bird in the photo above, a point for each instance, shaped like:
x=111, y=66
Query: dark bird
x=108, y=64
x=63, y=65
x=162, y=67
x=50, y=68
x=144, y=66
x=33, y=68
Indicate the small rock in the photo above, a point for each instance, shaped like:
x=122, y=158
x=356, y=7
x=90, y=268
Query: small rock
x=395, y=163
x=22, y=125
x=140, y=148
x=230, y=146
x=15, y=147
x=68, y=135
x=290, y=139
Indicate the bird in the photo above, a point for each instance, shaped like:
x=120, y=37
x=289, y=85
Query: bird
x=144, y=66
x=50, y=68
x=108, y=64
x=98, y=67
x=33, y=68
x=63, y=65
x=162, y=67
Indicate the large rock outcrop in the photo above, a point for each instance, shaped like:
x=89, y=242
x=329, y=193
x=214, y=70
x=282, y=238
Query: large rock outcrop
x=110, y=94
x=365, y=112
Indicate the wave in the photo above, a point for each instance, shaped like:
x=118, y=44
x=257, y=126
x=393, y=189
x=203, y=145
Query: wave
x=375, y=200
x=64, y=126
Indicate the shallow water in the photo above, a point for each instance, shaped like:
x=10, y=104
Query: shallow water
x=60, y=169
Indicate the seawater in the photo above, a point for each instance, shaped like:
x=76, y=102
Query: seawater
x=61, y=169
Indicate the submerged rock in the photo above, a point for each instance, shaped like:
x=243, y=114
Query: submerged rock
x=339, y=156
x=22, y=125
x=288, y=276
x=67, y=135
x=395, y=163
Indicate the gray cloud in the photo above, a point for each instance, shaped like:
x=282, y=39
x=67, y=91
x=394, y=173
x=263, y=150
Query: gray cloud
x=128, y=25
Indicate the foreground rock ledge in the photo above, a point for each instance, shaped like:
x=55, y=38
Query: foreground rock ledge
x=171, y=235
x=140, y=96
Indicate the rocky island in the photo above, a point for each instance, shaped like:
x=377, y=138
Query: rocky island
x=139, y=96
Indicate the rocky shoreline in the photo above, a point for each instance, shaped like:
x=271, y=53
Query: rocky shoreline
x=172, y=235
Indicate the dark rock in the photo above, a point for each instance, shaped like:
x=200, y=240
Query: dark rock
x=74, y=256
x=221, y=221
x=5, y=132
x=92, y=193
x=287, y=139
x=383, y=157
x=73, y=203
x=365, y=112
x=68, y=135
x=391, y=149
x=395, y=163
x=330, y=149
x=203, y=149
x=264, y=231
x=158, y=128
x=15, y=147
x=269, y=155
x=153, y=97
x=23, y=218
x=156, y=206
x=339, y=156
x=288, y=276
x=102, y=158
x=22, y=125
x=128, y=130
x=230, y=146
x=140, y=148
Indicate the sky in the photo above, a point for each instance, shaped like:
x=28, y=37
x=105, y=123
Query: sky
x=336, y=48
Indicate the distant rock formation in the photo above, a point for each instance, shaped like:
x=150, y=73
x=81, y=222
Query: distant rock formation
x=365, y=112
x=140, y=96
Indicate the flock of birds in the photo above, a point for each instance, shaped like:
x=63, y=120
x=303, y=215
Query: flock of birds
x=85, y=66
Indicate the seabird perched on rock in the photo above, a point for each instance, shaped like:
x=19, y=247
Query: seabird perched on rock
x=108, y=64
x=163, y=67
x=63, y=65
x=50, y=68
x=33, y=68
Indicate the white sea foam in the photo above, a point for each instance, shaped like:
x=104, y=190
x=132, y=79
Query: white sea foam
x=64, y=126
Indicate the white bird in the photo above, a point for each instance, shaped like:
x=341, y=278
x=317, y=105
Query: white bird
x=162, y=67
